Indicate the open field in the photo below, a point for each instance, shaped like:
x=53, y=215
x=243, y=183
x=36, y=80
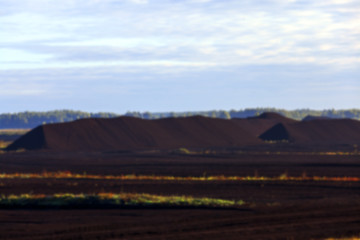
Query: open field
x=268, y=223
x=4, y=144
x=266, y=177
x=7, y=136
x=286, y=195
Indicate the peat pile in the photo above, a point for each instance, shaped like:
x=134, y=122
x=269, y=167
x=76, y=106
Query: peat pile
x=127, y=133
x=131, y=134
x=317, y=131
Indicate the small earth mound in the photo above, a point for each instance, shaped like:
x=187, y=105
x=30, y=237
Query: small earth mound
x=270, y=115
x=311, y=118
x=276, y=133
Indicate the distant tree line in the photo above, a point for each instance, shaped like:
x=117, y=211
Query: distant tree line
x=33, y=119
x=251, y=112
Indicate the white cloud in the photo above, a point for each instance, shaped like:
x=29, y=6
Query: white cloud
x=18, y=88
x=244, y=53
x=336, y=1
x=200, y=1
x=207, y=50
x=139, y=1
x=160, y=32
x=71, y=64
x=19, y=56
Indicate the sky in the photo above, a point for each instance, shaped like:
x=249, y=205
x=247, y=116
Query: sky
x=173, y=55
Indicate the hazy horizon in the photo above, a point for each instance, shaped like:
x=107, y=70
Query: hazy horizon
x=195, y=111
x=194, y=55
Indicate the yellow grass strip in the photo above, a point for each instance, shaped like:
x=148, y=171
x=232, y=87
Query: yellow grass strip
x=351, y=238
x=12, y=131
x=69, y=175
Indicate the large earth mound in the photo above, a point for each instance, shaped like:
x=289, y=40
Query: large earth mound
x=127, y=133
x=320, y=131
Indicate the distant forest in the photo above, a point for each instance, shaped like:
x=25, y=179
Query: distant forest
x=33, y=119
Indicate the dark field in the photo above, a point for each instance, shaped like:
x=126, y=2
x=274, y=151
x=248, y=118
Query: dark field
x=317, y=222
x=274, y=209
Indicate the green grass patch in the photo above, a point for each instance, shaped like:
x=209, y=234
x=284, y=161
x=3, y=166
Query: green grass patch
x=4, y=144
x=138, y=200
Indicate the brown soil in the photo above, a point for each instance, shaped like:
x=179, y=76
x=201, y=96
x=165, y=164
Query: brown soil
x=125, y=133
x=321, y=131
x=316, y=222
x=133, y=134
x=275, y=209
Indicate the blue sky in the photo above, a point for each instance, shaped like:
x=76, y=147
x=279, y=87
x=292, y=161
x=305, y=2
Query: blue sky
x=147, y=55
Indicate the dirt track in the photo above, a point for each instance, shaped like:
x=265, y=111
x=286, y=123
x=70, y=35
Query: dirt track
x=182, y=165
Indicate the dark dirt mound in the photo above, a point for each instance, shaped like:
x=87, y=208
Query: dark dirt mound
x=32, y=140
x=127, y=133
x=131, y=134
x=276, y=133
x=258, y=125
x=322, y=132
